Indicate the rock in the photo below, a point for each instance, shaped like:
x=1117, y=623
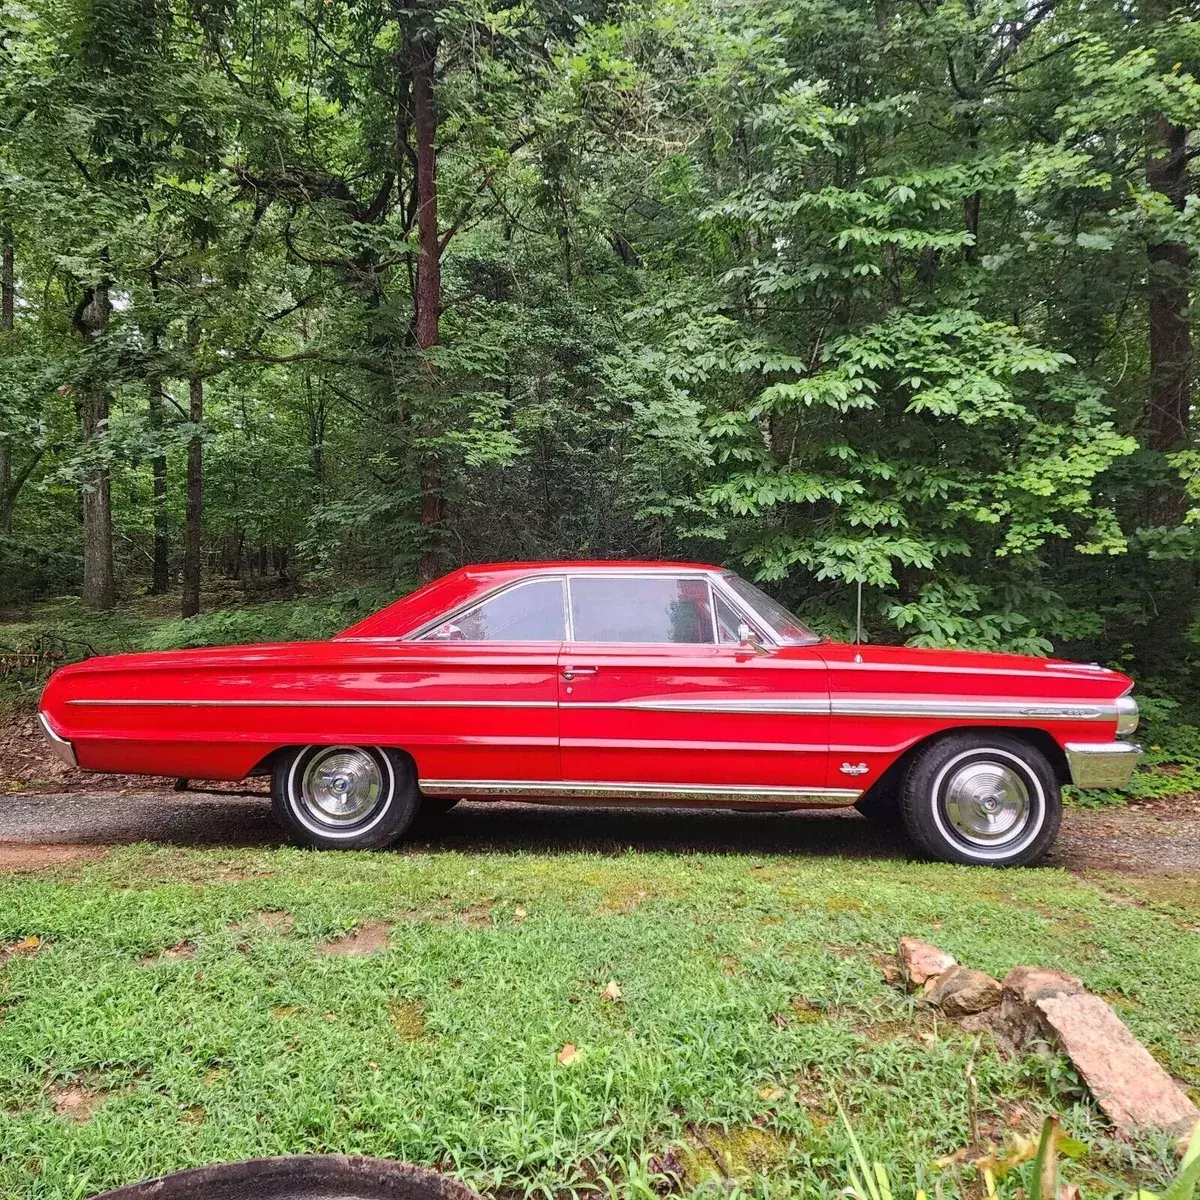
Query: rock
x=1020, y=1022
x=1029, y=984
x=960, y=992
x=1135, y=1092
x=922, y=962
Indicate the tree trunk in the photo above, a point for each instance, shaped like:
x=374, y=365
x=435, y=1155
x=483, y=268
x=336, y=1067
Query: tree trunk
x=7, y=308
x=1169, y=291
x=99, y=590
x=193, y=521
x=160, y=581
x=423, y=60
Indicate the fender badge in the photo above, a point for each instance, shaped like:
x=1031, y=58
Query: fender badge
x=854, y=768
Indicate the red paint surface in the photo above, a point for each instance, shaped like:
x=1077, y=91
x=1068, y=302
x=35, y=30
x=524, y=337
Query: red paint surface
x=534, y=724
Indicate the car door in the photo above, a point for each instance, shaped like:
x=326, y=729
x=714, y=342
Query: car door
x=657, y=696
x=479, y=690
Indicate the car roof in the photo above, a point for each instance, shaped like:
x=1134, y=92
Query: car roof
x=472, y=582
x=603, y=564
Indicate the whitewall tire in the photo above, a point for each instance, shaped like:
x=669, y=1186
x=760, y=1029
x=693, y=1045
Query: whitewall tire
x=344, y=797
x=986, y=799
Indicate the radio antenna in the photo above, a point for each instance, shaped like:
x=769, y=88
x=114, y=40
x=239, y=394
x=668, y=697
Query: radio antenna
x=858, y=616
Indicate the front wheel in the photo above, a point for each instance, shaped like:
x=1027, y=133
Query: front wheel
x=986, y=799
x=344, y=797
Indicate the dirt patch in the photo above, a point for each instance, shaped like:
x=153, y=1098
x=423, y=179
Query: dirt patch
x=21, y=948
x=805, y=1011
x=179, y=952
x=408, y=1020
x=369, y=938
x=76, y=1102
x=1151, y=837
x=21, y=858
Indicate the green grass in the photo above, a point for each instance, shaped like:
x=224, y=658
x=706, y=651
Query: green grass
x=751, y=993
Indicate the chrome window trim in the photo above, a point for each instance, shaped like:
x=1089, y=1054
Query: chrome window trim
x=609, y=573
x=419, y=634
x=834, y=797
x=716, y=583
x=739, y=605
x=775, y=636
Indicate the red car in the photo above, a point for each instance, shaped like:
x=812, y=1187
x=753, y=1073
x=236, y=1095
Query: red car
x=595, y=683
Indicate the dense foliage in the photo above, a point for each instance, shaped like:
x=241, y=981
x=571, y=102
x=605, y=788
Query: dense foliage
x=346, y=292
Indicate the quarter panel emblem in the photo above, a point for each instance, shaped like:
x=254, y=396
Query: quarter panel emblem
x=854, y=768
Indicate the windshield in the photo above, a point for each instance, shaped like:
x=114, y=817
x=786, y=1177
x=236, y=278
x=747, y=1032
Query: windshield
x=789, y=629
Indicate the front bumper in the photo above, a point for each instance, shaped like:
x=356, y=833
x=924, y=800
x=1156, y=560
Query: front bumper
x=61, y=747
x=1102, y=764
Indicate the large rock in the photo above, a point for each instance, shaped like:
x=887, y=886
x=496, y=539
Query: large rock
x=1030, y=984
x=1128, y=1084
x=1019, y=1025
x=959, y=992
x=922, y=962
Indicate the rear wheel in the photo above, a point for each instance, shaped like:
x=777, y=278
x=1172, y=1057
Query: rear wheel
x=986, y=799
x=344, y=797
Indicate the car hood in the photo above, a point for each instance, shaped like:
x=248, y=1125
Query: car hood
x=1089, y=678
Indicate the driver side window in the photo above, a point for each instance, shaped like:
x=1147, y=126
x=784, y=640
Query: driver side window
x=526, y=612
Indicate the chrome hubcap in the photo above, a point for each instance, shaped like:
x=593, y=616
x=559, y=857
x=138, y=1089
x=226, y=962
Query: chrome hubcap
x=987, y=803
x=341, y=786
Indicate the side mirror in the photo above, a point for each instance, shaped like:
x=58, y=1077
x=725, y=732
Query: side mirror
x=749, y=638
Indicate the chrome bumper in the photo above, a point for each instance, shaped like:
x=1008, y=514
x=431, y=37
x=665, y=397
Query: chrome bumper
x=61, y=747
x=1102, y=764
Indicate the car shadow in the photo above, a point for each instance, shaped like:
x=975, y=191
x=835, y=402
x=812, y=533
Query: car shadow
x=538, y=827
x=197, y=819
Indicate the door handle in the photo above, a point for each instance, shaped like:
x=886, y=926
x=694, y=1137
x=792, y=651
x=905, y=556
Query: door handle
x=569, y=672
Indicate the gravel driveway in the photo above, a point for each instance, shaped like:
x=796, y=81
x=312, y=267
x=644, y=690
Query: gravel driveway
x=1149, y=839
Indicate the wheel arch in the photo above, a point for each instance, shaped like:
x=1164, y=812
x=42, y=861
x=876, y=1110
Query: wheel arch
x=266, y=764
x=888, y=784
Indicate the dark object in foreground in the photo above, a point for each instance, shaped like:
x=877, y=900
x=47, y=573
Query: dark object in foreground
x=310, y=1177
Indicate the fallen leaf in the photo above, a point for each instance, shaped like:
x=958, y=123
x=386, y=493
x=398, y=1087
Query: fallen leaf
x=771, y=1093
x=518, y=914
x=613, y=990
x=568, y=1054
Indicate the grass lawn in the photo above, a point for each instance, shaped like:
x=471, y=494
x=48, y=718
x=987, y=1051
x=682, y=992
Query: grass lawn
x=182, y=1007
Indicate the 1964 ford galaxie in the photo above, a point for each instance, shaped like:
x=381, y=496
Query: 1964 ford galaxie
x=635, y=683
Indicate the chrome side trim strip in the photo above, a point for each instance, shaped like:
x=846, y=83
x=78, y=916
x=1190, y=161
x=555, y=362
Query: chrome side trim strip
x=322, y=703
x=60, y=746
x=759, y=707
x=1102, y=764
x=960, y=710
x=833, y=797
x=1050, y=710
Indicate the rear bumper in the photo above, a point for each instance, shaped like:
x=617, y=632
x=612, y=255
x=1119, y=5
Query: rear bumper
x=61, y=747
x=1102, y=764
